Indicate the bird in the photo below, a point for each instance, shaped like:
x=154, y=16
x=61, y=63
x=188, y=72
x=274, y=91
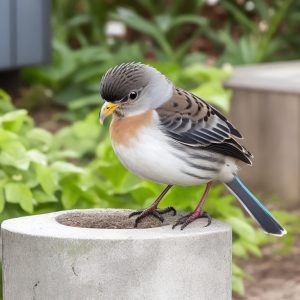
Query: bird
x=165, y=134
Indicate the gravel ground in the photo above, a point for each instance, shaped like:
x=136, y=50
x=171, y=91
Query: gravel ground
x=275, y=276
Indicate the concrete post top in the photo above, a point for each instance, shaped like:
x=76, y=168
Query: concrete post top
x=106, y=224
x=276, y=76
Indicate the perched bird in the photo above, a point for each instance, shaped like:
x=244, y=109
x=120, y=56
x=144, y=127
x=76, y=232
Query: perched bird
x=167, y=135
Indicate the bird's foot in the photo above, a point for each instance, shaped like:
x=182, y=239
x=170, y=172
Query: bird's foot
x=151, y=211
x=186, y=220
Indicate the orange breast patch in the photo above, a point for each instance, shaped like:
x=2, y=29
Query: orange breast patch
x=122, y=130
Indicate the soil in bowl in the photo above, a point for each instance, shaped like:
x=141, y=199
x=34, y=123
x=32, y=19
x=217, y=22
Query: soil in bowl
x=113, y=219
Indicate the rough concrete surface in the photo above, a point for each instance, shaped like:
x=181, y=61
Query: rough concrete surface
x=43, y=259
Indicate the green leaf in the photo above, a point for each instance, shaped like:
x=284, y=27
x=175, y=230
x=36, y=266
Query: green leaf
x=14, y=154
x=37, y=156
x=135, y=21
x=128, y=184
x=13, y=116
x=5, y=102
x=84, y=101
x=6, y=136
x=238, y=285
x=185, y=19
x=19, y=193
x=236, y=270
x=204, y=73
x=40, y=135
x=47, y=178
x=13, y=120
x=115, y=174
x=239, y=250
x=2, y=199
x=252, y=248
x=65, y=167
x=85, y=129
x=244, y=229
x=240, y=16
x=42, y=197
x=70, y=194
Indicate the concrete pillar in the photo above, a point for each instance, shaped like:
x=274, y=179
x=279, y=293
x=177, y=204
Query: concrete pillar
x=257, y=109
x=44, y=259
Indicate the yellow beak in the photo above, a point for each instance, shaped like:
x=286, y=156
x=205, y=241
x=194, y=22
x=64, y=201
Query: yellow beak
x=107, y=109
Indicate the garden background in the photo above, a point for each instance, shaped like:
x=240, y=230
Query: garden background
x=53, y=153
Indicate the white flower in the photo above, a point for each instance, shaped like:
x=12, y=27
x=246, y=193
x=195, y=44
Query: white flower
x=249, y=5
x=212, y=2
x=115, y=28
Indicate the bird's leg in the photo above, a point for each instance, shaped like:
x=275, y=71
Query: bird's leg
x=153, y=210
x=197, y=213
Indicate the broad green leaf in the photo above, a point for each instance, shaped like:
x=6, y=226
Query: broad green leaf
x=81, y=102
x=105, y=152
x=143, y=196
x=14, y=154
x=129, y=183
x=48, y=178
x=37, y=156
x=70, y=194
x=13, y=116
x=5, y=102
x=184, y=198
x=28, y=177
x=251, y=247
x=4, y=97
x=2, y=199
x=42, y=197
x=6, y=136
x=65, y=167
x=236, y=270
x=239, y=250
x=86, y=130
x=40, y=135
x=19, y=193
x=115, y=174
x=200, y=73
x=13, y=120
x=238, y=285
x=244, y=229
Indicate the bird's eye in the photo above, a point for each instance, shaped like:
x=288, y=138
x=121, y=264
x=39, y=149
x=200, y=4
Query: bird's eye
x=132, y=95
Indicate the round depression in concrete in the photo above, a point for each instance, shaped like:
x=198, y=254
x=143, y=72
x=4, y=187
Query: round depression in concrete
x=112, y=219
x=84, y=254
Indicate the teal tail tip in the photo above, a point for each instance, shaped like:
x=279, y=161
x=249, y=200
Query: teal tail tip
x=255, y=208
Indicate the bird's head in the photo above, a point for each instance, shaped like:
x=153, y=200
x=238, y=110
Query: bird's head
x=133, y=88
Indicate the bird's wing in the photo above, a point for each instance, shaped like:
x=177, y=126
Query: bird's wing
x=191, y=121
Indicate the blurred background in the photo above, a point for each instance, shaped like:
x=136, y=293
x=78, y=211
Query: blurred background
x=239, y=55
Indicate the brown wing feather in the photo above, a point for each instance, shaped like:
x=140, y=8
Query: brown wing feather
x=183, y=105
x=191, y=121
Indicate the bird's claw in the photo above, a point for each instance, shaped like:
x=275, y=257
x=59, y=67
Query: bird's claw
x=189, y=218
x=151, y=211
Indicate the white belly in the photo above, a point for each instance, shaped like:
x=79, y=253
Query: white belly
x=149, y=155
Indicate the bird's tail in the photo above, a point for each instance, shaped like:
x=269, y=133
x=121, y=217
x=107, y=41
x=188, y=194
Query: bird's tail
x=256, y=209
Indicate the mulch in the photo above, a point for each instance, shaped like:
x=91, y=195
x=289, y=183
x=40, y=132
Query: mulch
x=275, y=276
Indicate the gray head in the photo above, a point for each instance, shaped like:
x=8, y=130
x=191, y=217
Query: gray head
x=133, y=88
x=118, y=82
